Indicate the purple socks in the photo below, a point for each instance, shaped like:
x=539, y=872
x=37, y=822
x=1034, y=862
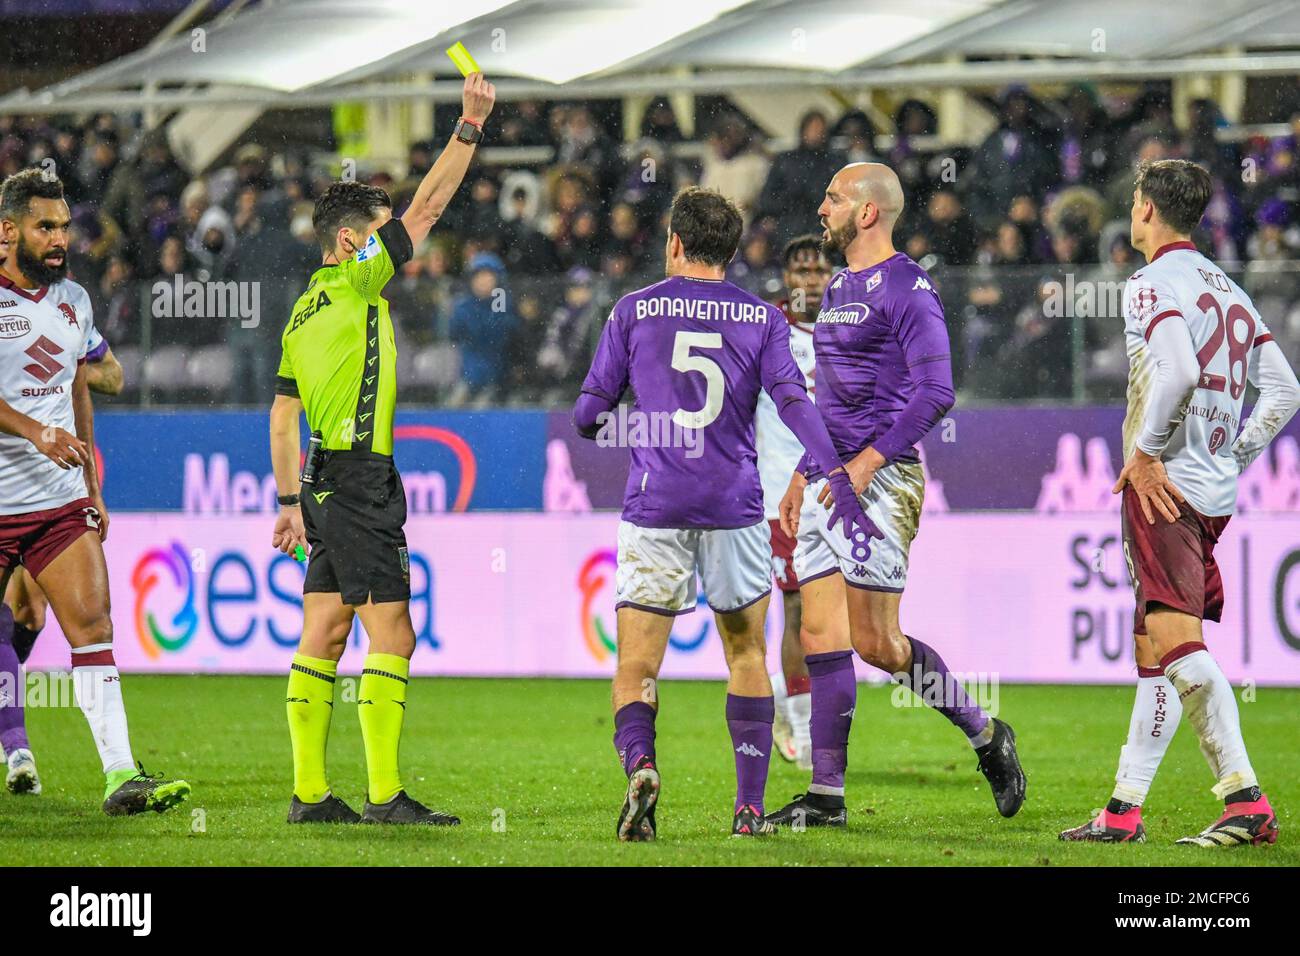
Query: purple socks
x=634, y=734
x=749, y=719
x=929, y=679
x=13, y=723
x=834, y=695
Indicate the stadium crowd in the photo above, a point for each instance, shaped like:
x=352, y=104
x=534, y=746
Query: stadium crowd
x=504, y=303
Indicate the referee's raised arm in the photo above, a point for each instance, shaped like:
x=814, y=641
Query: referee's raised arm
x=442, y=181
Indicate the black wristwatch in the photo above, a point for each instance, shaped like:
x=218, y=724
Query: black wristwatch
x=469, y=132
x=287, y=500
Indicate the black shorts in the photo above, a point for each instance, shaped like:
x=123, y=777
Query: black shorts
x=354, y=513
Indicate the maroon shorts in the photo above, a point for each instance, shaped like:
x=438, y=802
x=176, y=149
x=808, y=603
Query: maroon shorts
x=1173, y=564
x=36, y=538
x=783, y=558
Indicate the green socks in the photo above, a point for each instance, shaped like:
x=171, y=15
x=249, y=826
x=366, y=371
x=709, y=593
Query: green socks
x=381, y=705
x=310, y=704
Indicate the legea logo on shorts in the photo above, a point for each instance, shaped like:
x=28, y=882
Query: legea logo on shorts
x=598, y=571
x=162, y=579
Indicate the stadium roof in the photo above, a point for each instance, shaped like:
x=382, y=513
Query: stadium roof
x=314, y=52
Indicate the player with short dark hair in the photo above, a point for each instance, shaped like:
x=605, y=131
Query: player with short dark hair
x=805, y=272
x=22, y=615
x=697, y=351
x=52, y=514
x=1194, y=340
x=338, y=366
x=884, y=380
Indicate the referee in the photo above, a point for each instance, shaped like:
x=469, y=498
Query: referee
x=348, y=506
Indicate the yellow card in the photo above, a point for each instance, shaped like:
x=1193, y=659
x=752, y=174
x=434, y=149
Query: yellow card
x=464, y=62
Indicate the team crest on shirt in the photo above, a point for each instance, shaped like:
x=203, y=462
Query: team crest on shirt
x=1142, y=303
x=70, y=312
x=874, y=281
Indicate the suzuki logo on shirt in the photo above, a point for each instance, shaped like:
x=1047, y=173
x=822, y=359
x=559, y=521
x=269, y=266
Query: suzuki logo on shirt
x=923, y=283
x=44, y=366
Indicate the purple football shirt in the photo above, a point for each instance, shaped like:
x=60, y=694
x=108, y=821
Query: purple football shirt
x=696, y=353
x=884, y=370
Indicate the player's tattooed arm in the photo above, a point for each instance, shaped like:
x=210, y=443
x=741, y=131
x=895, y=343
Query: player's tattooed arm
x=83, y=413
x=62, y=448
x=105, y=375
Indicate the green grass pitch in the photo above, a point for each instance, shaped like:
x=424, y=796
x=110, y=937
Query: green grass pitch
x=529, y=766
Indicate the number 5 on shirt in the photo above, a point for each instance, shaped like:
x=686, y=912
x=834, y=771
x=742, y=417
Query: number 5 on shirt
x=715, y=383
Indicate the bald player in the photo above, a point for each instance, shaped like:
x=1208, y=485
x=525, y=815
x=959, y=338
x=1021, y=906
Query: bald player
x=884, y=380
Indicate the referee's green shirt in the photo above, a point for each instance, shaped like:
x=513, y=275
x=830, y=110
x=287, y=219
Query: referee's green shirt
x=337, y=350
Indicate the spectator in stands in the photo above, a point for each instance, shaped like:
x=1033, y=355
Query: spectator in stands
x=859, y=134
x=733, y=166
x=949, y=231
x=797, y=179
x=1119, y=191
x=913, y=119
x=525, y=249
x=524, y=377
x=99, y=160
x=482, y=321
x=648, y=181
x=266, y=258
x=659, y=122
x=756, y=268
x=1275, y=238
x=583, y=143
x=135, y=183
x=522, y=124
x=481, y=219
x=1012, y=160
x=1086, y=149
x=117, y=304
x=570, y=333
x=626, y=236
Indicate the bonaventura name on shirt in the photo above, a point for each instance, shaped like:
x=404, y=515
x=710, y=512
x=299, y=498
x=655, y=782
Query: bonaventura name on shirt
x=706, y=310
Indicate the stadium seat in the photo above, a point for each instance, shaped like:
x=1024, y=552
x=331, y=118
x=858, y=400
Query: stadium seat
x=164, y=369
x=132, y=362
x=210, y=367
x=437, y=366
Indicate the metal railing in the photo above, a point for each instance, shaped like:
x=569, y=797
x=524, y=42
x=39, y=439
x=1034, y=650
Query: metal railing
x=1047, y=333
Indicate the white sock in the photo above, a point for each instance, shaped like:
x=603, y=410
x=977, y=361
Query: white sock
x=799, y=708
x=1156, y=712
x=779, y=695
x=98, y=688
x=1211, y=706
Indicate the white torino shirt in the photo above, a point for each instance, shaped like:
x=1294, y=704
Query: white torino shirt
x=777, y=449
x=43, y=337
x=1181, y=285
